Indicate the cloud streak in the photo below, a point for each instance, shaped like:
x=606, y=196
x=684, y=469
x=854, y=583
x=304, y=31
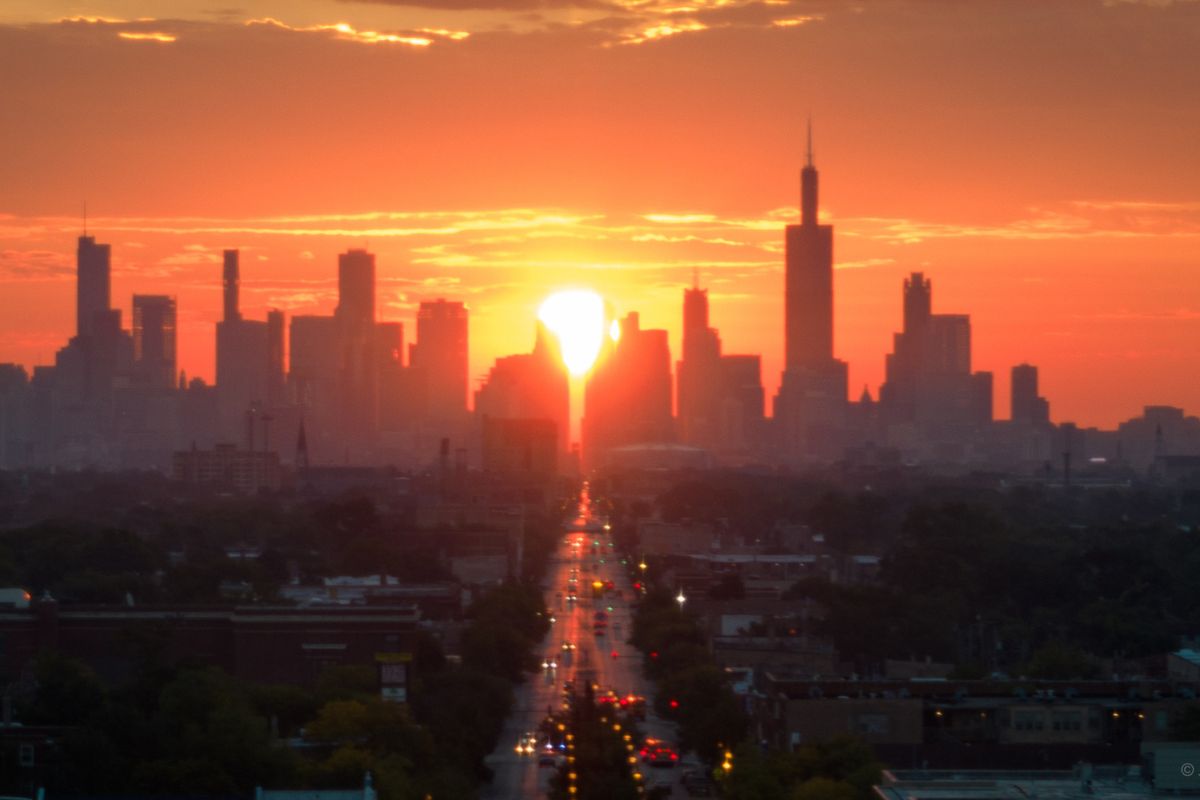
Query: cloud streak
x=147, y=36
x=420, y=37
x=34, y=265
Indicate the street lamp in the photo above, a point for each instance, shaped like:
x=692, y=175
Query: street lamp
x=679, y=598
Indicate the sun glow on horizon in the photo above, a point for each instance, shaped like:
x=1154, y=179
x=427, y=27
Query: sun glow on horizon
x=576, y=317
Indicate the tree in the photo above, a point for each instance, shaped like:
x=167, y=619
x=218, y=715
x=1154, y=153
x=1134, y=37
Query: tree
x=1056, y=661
x=824, y=789
x=68, y=692
x=464, y=710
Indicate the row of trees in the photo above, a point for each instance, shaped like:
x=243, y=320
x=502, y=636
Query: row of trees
x=1051, y=601
x=196, y=730
x=695, y=693
x=691, y=689
x=1024, y=580
x=190, y=729
x=184, y=560
x=597, y=763
x=842, y=768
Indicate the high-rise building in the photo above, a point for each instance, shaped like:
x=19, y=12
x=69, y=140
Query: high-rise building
x=389, y=344
x=313, y=370
x=740, y=414
x=529, y=387
x=397, y=406
x=276, y=358
x=244, y=367
x=982, y=394
x=918, y=302
x=75, y=409
x=92, y=284
x=810, y=409
x=1028, y=407
x=930, y=392
x=356, y=288
x=808, y=300
x=698, y=373
x=720, y=397
x=358, y=385
x=230, y=280
x=441, y=353
x=154, y=340
x=628, y=395
x=948, y=345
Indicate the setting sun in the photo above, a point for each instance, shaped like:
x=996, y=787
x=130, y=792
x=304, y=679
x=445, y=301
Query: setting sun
x=576, y=317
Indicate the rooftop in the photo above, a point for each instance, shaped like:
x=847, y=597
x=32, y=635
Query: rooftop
x=1109, y=782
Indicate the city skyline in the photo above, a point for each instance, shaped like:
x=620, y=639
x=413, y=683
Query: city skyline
x=355, y=294
x=1071, y=252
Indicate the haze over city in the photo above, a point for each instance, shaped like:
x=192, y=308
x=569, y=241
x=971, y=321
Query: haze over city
x=1040, y=167
x=599, y=399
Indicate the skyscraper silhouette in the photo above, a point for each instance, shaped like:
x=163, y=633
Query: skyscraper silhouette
x=698, y=372
x=918, y=302
x=809, y=283
x=931, y=402
x=245, y=372
x=441, y=353
x=358, y=384
x=810, y=409
x=530, y=391
x=312, y=374
x=720, y=397
x=154, y=340
x=1028, y=407
x=92, y=285
x=276, y=358
x=628, y=395
x=230, y=280
x=356, y=288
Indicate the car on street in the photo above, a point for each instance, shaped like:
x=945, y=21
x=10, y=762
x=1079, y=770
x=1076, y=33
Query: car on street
x=526, y=744
x=658, y=753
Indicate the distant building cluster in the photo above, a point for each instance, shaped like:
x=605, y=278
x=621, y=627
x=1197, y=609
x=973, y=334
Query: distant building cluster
x=339, y=390
x=327, y=389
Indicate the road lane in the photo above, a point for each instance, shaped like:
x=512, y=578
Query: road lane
x=583, y=555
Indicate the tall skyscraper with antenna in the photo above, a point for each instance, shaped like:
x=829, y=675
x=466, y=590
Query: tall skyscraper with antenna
x=809, y=283
x=810, y=409
x=243, y=359
x=92, y=285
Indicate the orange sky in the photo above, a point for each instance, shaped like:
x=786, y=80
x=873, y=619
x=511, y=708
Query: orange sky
x=1038, y=161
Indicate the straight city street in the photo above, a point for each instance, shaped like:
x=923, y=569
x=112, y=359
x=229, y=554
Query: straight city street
x=575, y=651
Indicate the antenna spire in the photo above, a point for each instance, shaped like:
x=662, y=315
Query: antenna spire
x=810, y=152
